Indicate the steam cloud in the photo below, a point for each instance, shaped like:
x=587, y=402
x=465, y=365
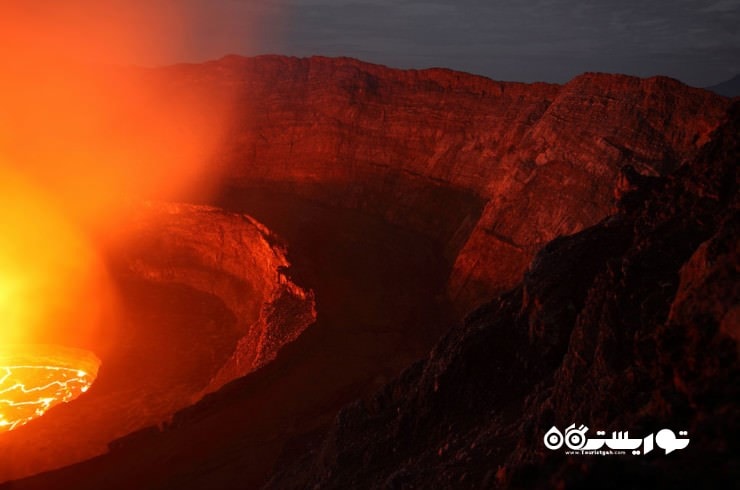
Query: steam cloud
x=79, y=134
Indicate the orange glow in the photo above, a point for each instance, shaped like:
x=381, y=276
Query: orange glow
x=53, y=286
x=86, y=129
x=34, y=378
x=80, y=137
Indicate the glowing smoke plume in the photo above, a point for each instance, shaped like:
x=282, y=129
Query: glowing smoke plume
x=79, y=135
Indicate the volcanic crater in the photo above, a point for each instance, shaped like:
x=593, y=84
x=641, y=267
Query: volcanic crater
x=362, y=211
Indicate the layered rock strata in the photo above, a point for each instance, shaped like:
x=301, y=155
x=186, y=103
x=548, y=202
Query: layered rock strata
x=231, y=256
x=629, y=325
x=492, y=170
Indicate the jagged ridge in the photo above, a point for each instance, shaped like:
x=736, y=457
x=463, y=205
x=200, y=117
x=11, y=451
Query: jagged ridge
x=630, y=324
x=491, y=170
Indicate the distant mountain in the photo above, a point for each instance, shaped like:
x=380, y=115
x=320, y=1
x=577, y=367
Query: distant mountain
x=728, y=88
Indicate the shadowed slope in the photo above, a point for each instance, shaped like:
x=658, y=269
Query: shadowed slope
x=627, y=325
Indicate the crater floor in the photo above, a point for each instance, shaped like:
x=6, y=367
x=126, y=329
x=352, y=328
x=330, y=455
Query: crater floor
x=379, y=292
x=172, y=339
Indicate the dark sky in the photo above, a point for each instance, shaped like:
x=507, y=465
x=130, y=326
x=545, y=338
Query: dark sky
x=551, y=40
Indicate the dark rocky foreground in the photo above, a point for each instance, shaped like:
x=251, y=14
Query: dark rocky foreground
x=632, y=324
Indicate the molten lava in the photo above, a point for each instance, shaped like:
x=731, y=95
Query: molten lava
x=34, y=378
x=81, y=137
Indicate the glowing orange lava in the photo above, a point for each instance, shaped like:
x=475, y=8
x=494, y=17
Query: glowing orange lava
x=34, y=378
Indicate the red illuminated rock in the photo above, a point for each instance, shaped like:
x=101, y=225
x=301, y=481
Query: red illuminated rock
x=205, y=302
x=629, y=325
x=492, y=170
x=232, y=257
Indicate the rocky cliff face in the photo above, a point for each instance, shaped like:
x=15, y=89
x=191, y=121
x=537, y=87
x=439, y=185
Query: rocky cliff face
x=483, y=174
x=232, y=257
x=631, y=324
x=204, y=301
x=491, y=170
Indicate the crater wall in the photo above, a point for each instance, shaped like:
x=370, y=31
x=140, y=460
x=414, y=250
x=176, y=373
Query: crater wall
x=492, y=170
x=203, y=301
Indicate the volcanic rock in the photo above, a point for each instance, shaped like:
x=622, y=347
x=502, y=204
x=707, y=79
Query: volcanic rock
x=627, y=325
x=231, y=256
x=468, y=178
x=206, y=302
x=490, y=170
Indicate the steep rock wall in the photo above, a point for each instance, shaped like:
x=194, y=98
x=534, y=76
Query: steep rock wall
x=231, y=256
x=493, y=170
x=628, y=325
x=204, y=301
x=506, y=167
